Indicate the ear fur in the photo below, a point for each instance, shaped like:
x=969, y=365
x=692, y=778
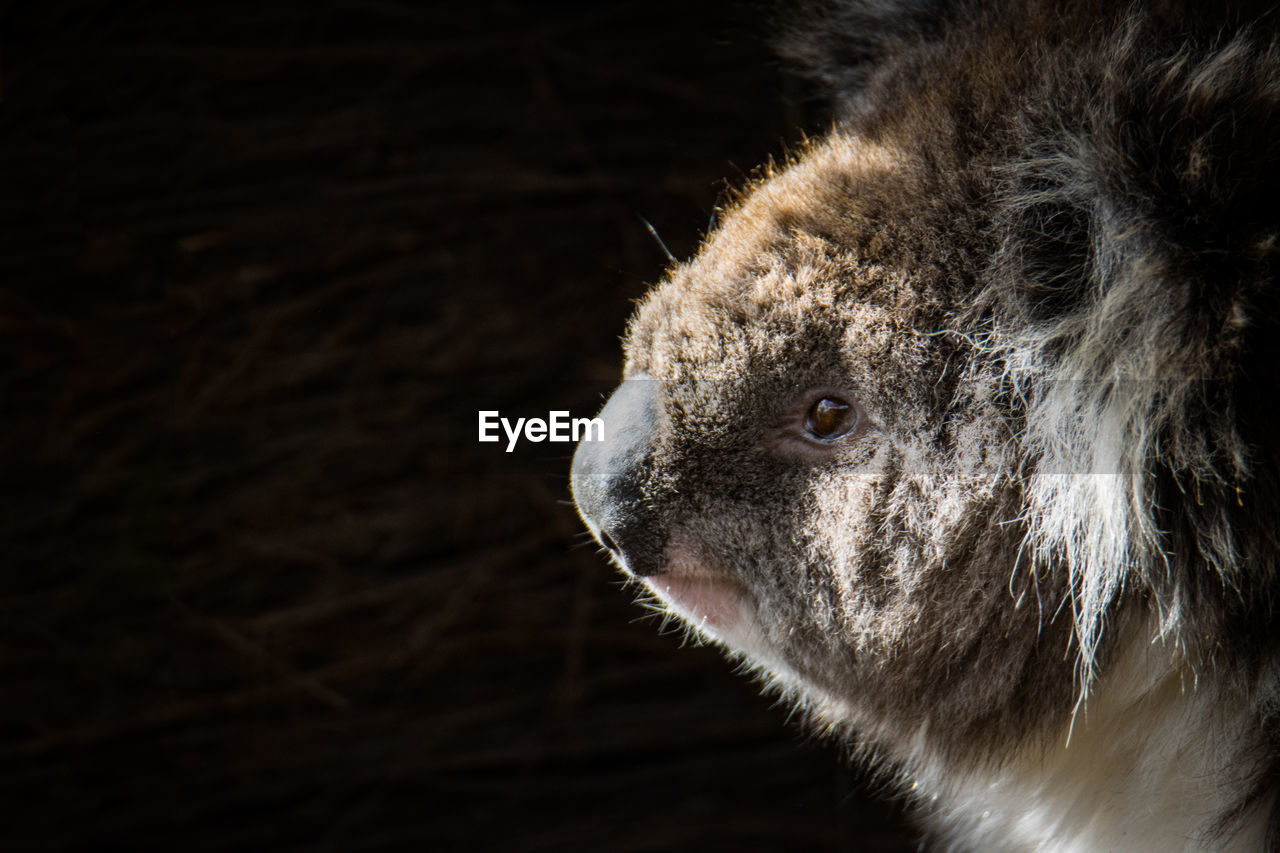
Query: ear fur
x=841, y=45
x=1141, y=322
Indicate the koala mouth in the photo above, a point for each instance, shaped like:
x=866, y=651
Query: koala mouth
x=708, y=600
x=608, y=481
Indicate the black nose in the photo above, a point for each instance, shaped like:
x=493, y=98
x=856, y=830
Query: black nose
x=609, y=479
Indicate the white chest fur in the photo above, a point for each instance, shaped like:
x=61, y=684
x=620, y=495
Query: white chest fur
x=1140, y=770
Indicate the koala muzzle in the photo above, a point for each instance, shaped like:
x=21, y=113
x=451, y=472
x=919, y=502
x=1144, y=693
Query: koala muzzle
x=609, y=479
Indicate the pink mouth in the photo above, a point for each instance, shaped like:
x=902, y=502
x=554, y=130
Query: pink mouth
x=704, y=601
x=693, y=588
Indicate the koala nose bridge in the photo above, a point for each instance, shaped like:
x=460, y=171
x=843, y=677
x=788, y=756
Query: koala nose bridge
x=610, y=477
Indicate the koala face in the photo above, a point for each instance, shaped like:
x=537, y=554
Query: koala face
x=807, y=464
x=960, y=428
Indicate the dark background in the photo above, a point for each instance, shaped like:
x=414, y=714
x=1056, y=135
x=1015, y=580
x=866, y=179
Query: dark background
x=260, y=265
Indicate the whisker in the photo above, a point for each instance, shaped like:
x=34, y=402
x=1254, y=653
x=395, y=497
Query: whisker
x=654, y=232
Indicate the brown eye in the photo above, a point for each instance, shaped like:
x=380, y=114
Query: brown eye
x=830, y=418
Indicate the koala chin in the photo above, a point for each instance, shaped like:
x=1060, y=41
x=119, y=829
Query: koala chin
x=961, y=428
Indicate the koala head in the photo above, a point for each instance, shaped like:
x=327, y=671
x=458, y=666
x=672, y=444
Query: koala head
x=959, y=428
x=809, y=463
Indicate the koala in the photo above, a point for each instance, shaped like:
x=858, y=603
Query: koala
x=960, y=428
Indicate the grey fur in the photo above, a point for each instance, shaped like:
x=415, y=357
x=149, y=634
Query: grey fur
x=1037, y=250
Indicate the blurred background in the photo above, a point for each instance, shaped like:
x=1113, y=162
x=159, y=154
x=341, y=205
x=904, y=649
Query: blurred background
x=260, y=266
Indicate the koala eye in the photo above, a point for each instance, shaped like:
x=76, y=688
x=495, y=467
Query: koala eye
x=819, y=425
x=830, y=418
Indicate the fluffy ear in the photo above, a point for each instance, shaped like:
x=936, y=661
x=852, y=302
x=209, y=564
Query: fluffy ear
x=1141, y=272
x=841, y=44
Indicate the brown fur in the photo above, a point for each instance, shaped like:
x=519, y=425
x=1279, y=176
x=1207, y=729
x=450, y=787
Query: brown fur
x=1036, y=251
